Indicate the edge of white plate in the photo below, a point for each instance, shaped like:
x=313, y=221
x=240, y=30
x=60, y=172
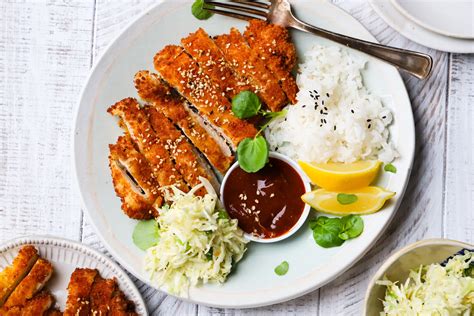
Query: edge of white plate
x=417, y=33
x=124, y=281
x=413, y=18
x=343, y=268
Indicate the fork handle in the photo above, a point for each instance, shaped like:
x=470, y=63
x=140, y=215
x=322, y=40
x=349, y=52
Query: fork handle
x=414, y=63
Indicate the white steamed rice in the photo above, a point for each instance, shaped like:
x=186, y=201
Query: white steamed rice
x=356, y=124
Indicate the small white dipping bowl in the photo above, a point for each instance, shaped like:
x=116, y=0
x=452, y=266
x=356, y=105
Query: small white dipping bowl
x=398, y=266
x=306, y=209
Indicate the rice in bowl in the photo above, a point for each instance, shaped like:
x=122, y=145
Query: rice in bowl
x=336, y=118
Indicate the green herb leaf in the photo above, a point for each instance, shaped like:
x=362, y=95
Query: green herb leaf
x=146, y=234
x=282, y=268
x=352, y=226
x=313, y=223
x=252, y=154
x=246, y=104
x=390, y=168
x=199, y=12
x=345, y=199
x=222, y=214
x=326, y=232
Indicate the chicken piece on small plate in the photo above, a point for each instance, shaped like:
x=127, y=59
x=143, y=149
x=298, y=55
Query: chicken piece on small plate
x=39, y=305
x=102, y=292
x=12, y=275
x=35, y=280
x=79, y=290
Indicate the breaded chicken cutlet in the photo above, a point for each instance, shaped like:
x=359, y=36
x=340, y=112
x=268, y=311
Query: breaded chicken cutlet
x=153, y=154
x=189, y=99
x=182, y=73
x=133, y=180
x=12, y=275
x=158, y=94
x=248, y=64
x=205, y=52
x=273, y=45
x=33, y=282
x=136, y=123
x=40, y=305
x=27, y=275
x=90, y=294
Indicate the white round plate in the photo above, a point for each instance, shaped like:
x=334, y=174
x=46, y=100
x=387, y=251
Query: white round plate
x=453, y=18
x=417, y=33
x=66, y=256
x=254, y=282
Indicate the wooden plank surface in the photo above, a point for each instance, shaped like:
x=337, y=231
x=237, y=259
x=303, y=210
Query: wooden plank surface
x=46, y=50
x=459, y=187
x=44, y=59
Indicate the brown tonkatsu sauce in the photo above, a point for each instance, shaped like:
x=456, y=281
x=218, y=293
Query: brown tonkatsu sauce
x=266, y=203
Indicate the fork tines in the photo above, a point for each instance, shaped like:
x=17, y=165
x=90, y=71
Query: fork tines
x=240, y=9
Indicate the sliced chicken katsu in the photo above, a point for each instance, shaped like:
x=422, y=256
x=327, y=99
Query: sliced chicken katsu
x=188, y=161
x=136, y=122
x=55, y=312
x=121, y=306
x=31, y=284
x=272, y=42
x=12, y=275
x=156, y=92
x=212, y=62
x=37, y=306
x=248, y=64
x=102, y=292
x=79, y=290
x=183, y=74
x=133, y=180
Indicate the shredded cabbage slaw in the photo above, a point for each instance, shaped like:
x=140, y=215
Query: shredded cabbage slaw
x=198, y=242
x=433, y=290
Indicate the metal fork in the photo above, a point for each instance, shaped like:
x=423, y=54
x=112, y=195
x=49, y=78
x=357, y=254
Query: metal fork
x=280, y=12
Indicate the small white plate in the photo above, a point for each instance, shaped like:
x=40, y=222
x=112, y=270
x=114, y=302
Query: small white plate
x=453, y=18
x=66, y=256
x=415, y=32
x=253, y=282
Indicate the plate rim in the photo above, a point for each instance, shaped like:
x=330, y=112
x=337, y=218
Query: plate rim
x=457, y=45
x=266, y=302
x=82, y=250
x=425, y=25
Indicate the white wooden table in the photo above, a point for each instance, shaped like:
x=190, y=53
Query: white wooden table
x=47, y=48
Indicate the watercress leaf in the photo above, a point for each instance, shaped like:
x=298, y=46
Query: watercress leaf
x=282, y=268
x=345, y=199
x=352, y=226
x=252, y=154
x=390, y=168
x=197, y=9
x=146, y=234
x=246, y=104
x=326, y=232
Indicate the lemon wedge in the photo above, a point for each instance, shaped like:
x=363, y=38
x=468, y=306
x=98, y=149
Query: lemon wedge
x=341, y=176
x=366, y=200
